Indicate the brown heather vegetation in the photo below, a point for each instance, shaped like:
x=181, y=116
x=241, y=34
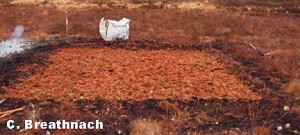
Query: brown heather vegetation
x=269, y=32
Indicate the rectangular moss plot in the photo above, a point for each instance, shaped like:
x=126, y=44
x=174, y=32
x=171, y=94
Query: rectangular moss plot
x=121, y=74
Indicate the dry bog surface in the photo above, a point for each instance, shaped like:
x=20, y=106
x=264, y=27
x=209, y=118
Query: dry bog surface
x=188, y=67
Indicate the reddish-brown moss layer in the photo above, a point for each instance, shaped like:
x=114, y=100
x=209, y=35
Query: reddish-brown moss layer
x=127, y=74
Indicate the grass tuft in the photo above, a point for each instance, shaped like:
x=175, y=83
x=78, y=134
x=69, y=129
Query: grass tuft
x=261, y=131
x=145, y=127
x=294, y=88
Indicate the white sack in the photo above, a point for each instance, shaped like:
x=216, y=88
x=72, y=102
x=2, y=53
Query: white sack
x=111, y=30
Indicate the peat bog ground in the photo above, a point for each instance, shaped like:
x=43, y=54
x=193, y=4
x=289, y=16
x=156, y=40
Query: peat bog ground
x=91, y=79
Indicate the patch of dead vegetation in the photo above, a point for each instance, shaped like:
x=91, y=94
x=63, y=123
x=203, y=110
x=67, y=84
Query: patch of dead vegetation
x=117, y=4
x=196, y=5
x=260, y=6
x=60, y=4
x=261, y=131
x=145, y=127
x=294, y=88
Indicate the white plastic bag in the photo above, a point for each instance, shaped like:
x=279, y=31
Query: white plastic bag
x=111, y=30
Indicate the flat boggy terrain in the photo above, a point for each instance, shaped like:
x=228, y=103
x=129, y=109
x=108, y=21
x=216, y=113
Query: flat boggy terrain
x=120, y=82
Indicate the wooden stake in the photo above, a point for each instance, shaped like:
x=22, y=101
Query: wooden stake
x=67, y=25
x=256, y=49
x=253, y=46
x=6, y=113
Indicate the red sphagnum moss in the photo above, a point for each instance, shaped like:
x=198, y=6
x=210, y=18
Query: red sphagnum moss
x=125, y=74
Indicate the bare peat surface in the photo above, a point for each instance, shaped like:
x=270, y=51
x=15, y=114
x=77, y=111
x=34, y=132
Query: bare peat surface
x=209, y=89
